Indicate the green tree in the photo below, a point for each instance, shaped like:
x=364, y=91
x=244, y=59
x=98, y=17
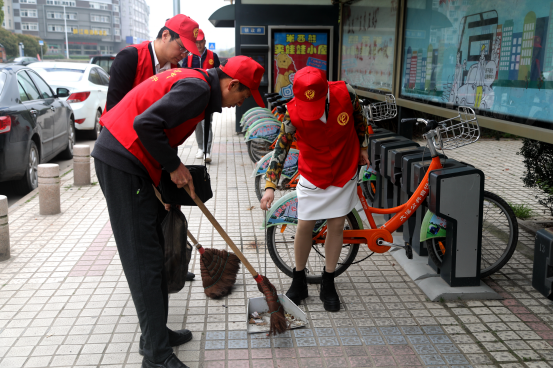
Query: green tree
x=32, y=48
x=9, y=41
x=1, y=11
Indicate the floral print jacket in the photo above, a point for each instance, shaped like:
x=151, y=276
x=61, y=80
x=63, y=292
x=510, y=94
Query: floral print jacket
x=286, y=137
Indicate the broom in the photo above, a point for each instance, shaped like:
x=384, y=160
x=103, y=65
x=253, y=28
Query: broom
x=218, y=267
x=278, y=321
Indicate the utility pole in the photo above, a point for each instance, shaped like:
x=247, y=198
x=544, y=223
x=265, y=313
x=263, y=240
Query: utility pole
x=176, y=7
x=65, y=25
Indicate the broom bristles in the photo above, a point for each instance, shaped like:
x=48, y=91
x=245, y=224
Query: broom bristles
x=278, y=324
x=219, y=269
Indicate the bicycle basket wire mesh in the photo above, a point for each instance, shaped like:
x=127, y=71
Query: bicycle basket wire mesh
x=383, y=110
x=459, y=131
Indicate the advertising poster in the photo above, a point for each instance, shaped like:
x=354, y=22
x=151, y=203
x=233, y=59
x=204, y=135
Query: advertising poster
x=294, y=51
x=495, y=56
x=368, y=38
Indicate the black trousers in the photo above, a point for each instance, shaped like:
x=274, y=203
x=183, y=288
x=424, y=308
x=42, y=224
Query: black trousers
x=136, y=214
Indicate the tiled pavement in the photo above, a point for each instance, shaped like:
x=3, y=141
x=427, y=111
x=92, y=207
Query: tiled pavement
x=64, y=300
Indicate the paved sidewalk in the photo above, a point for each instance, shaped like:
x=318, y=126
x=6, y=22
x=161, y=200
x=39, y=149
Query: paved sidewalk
x=64, y=300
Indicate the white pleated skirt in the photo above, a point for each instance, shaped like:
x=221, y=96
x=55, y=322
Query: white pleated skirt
x=314, y=203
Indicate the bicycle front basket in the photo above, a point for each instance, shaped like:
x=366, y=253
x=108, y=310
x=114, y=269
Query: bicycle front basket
x=459, y=131
x=383, y=110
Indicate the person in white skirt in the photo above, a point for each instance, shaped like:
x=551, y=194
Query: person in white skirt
x=331, y=133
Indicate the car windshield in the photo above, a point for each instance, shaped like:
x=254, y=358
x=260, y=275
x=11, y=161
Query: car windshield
x=3, y=77
x=63, y=74
x=18, y=59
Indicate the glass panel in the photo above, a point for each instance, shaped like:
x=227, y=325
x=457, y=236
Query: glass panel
x=28, y=86
x=94, y=77
x=45, y=90
x=22, y=95
x=103, y=76
x=497, y=59
x=368, y=39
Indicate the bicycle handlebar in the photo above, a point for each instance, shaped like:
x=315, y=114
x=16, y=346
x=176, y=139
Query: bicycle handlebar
x=430, y=123
x=365, y=102
x=272, y=94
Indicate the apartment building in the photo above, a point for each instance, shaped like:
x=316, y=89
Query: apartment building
x=93, y=27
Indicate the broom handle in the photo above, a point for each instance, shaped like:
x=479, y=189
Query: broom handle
x=223, y=234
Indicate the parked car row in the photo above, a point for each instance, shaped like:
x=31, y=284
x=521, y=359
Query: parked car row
x=42, y=105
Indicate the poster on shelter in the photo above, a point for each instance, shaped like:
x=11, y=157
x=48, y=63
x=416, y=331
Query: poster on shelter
x=368, y=38
x=495, y=56
x=294, y=51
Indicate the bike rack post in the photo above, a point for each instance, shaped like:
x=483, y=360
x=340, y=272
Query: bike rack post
x=373, y=137
x=457, y=195
x=542, y=273
x=4, y=229
x=385, y=163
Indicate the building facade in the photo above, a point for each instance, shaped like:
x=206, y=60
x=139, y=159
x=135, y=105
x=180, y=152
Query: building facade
x=135, y=15
x=93, y=27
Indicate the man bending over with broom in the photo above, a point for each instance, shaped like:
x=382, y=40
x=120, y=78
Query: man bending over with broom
x=138, y=141
x=328, y=121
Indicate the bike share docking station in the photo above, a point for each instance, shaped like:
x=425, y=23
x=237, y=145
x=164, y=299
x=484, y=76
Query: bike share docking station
x=455, y=201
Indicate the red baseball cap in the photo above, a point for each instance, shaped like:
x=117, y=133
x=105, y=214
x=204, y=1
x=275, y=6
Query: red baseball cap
x=187, y=29
x=310, y=90
x=248, y=72
x=201, y=35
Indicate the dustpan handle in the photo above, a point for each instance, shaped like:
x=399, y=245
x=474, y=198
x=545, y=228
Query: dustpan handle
x=223, y=234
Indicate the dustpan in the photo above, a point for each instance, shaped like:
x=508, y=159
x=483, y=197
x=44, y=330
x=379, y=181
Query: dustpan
x=259, y=304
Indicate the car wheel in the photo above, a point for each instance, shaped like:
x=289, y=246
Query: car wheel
x=93, y=135
x=68, y=152
x=30, y=179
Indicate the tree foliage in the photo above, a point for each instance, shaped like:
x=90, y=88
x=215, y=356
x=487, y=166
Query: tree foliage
x=538, y=159
x=1, y=11
x=11, y=41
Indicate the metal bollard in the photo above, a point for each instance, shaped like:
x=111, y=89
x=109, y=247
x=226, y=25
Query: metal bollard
x=49, y=189
x=4, y=229
x=81, y=165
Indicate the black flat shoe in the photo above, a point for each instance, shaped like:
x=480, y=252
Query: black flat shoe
x=176, y=338
x=171, y=362
x=190, y=276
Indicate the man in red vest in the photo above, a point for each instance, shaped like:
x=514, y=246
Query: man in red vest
x=328, y=121
x=140, y=139
x=136, y=63
x=207, y=59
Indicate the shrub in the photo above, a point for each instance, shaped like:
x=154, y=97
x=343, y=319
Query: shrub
x=538, y=159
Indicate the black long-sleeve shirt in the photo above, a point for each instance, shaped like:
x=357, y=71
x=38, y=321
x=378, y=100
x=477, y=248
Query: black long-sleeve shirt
x=122, y=74
x=187, y=99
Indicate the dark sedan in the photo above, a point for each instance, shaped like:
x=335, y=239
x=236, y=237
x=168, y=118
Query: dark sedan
x=35, y=125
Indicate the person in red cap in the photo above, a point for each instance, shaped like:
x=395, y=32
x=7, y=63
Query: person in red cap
x=136, y=63
x=140, y=139
x=330, y=128
x=207, y=59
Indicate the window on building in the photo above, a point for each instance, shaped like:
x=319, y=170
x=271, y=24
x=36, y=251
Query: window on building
x=10, y=22
x=27, y=1
x=74, y=49
x=31, y=13
x=26, y=26
x=99, y=18
x=116, y=20
x=60, y=2
x=98, y=6
x=116, y=32
x=8, y=9
x=115, y=8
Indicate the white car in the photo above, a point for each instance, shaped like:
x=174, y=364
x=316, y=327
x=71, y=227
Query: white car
x=88, y=87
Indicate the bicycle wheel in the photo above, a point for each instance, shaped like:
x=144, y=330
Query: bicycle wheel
x=258, y=149
x=279, y=192
x=369, y=191
x=281, y=249
x=499, y=236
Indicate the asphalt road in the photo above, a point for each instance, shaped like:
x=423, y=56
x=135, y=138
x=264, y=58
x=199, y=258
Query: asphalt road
x=7, y=188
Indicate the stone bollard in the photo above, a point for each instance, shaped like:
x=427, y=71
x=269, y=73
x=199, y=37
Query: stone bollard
x=49, y=189
x=4, y=229
x=81, y=165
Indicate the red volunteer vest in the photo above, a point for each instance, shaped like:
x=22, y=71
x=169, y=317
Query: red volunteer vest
x=208, y=62
x=329, y=152
x=144, y=69
x=119, y=120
